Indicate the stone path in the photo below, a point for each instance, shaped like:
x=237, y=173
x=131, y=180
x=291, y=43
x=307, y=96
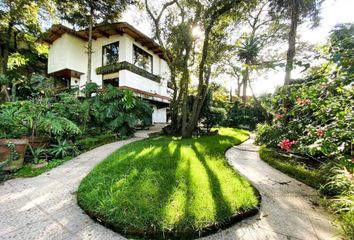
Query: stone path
x=288, y=207
x=45, y=207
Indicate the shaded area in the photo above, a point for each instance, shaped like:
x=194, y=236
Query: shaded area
x=169, y=186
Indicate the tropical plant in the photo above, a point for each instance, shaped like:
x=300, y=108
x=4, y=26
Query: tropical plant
x=119, y=111
x=38, y=154
x=62, y=149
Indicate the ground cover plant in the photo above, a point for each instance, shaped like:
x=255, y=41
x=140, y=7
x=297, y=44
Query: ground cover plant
x=168, y=185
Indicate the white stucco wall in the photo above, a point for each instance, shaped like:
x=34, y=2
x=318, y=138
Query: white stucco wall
x=159, y=115
x=67, y=52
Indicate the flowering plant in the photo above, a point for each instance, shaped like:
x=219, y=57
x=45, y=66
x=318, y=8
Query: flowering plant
x=286, y=144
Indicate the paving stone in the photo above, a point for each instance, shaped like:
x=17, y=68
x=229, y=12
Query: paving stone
x=39, y=230
x=96, y=231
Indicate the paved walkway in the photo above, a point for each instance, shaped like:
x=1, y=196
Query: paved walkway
x=288, y=207
x=45, y=207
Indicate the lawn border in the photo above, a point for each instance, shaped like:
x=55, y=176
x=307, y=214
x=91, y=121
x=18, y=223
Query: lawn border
x=186, y=233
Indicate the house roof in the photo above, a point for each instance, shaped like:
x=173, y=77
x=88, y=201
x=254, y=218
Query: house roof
x=103, y=30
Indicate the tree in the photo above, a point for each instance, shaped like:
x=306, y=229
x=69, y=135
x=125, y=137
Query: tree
x=296, y=11
x=342, y=46
x=196, y=55
x=87, y=13
x=18, y=16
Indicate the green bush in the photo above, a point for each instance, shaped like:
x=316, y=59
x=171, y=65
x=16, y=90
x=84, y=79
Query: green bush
x=88, y=143
x=244, y=115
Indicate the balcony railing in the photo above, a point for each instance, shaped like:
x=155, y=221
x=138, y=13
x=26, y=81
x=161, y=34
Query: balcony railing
x=130, y=67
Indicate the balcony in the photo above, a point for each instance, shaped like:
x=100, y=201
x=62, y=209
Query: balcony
x=130, y=67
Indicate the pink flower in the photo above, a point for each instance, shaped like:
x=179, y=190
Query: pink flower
x=279, y=116
x=286, y=144
x=320, y=132
x=303, y=102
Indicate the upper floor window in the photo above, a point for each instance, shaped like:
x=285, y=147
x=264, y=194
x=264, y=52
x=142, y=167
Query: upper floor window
x=110, y=54
x=142, y=59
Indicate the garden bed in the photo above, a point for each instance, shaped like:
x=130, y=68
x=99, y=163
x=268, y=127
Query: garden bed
x=169, y=187
x=85, y=144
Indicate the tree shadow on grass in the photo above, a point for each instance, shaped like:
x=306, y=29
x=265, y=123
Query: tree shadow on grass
x=222, y=206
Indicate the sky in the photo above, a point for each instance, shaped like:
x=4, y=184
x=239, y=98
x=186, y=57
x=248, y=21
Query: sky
x=333, y=12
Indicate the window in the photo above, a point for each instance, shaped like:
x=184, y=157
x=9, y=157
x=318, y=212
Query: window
x=114, y=82
x=142, y=59
x=110, y=54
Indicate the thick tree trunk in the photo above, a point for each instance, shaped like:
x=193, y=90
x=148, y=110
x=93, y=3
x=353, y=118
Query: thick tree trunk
x=291, y=44
x=89, y=50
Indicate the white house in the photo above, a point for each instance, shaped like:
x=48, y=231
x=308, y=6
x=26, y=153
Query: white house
x=122, y=56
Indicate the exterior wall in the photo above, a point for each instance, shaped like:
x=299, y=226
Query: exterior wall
x=70, y=52
x=129, y=79
x=67, y=52
x=159, y=115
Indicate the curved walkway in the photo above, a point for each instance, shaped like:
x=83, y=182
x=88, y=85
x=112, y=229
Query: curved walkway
x=289, y=208
x=44, y=207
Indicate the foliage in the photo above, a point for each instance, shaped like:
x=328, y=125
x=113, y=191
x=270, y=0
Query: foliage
x=87, y=143
x=187, y=54
x=63, y=149
x=244, y=114
x=128, y=66
x=168, y=185
x=119, y=111
x=89, y=89
x=38, y=154
x=342, y=46
x=319, y=116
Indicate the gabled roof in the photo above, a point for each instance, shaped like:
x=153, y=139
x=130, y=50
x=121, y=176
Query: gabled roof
x=103, y=30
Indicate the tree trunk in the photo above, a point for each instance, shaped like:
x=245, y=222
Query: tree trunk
x=245, y=80
x=291, y=43
x=239, y=85
x=89, y=49
x=259, y=105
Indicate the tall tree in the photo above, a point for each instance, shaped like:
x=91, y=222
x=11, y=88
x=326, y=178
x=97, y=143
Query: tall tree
x=296, y=11
x=198, y=54
x=87, y=13
x=18, y=15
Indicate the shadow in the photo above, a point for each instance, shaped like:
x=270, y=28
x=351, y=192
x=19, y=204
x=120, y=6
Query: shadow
x=222, y=206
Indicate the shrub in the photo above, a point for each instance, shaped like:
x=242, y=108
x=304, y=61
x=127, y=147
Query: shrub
x=88, y=143
x=244, y=115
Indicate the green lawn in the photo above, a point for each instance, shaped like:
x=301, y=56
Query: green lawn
x=168, y=184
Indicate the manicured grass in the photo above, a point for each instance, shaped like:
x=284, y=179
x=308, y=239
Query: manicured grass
x=168, y=184
x=295, y=169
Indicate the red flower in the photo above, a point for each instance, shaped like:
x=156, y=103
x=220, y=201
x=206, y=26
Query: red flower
x=286, y=144
x=320, y=132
